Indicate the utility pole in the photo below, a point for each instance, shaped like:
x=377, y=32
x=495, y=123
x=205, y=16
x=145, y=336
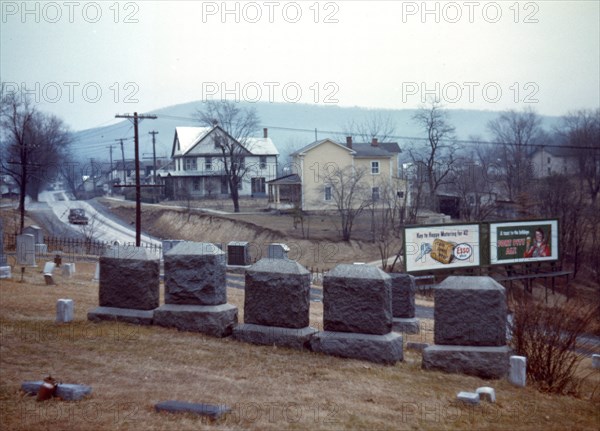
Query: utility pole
x=93, y=176
x=138, y=191
x=153, y=133
x=110, y=147
x=123, y=161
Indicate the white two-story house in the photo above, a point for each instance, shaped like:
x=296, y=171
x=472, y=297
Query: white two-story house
x=198, y=170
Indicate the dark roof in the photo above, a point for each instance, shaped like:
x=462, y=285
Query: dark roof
x=392, y=147
x=286, y=179
x=368, y=150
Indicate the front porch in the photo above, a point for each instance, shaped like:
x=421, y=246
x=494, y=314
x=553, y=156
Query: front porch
x=285, y=192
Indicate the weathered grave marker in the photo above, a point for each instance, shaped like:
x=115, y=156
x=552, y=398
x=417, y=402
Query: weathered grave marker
x=64, y=310
x=518, y=371
x=129, y=285
x=276, y=304
x=278, y=251
x=357, y=316
x=5, y=270
x=237, y=253
x=26, y=250
x=469, y=328
x=195, y=290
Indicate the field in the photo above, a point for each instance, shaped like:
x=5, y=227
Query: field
x=130, y=368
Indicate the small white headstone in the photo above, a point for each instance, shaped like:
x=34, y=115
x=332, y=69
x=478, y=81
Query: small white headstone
x=64, y=310
x=49, y=268
x=487, y=394
x=49, y=280
x=518, y=371
x=5, y=272
x=468, y=397
x=97, y=272
x=68, y=269
x=596, y=361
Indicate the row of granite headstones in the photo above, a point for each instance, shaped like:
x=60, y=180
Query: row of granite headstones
x=364, y=309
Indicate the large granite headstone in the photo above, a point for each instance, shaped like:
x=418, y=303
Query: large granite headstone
x=357, y=316
x=195, y=274
x=195, y=291
x=129, y=280
x=276, y=304
x=403, y=304
x=469, y=328
x=26, y=250
x=357, y=298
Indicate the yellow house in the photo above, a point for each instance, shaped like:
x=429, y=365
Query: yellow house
x=325, y=167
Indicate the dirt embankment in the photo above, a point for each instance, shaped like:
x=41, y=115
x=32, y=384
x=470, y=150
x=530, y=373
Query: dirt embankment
x=180, y=224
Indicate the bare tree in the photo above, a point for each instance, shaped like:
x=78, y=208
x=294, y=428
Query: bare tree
x=558, y=196
x=437, y=156
x=582, y=129
x=33, y=145
x=474, y=181
x=376, y=125
x=240, y=125
x=515, y=133
x=349, y=193
x=390, y=218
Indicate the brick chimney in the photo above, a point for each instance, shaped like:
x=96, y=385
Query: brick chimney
x=349, y=141
x=374, y=142
x=265, y=133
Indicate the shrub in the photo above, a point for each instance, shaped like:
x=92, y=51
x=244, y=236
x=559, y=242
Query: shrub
x=549, y=337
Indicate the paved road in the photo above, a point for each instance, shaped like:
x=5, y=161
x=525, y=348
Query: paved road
x=104, y=227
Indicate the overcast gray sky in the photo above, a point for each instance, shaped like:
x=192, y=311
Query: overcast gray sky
x=87, y=61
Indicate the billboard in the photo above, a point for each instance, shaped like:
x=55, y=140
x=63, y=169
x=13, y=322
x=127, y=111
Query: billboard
x=446, y=246
x=523, y=241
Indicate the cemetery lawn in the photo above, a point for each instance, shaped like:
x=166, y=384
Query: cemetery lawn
x=131, y=368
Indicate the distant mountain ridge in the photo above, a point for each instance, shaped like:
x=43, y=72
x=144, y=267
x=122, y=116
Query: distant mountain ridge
x=290, y=125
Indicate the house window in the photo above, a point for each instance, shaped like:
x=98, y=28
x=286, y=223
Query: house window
x=263, y=162
x=190, y=164
x=374, y=167
x=217, y=142
x=196, y=184
x=327, y=193
x=208, y=164
x=375, y=193
x=400, y=194
x=549, y=160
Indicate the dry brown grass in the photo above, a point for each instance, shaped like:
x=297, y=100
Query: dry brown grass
x=133, y=367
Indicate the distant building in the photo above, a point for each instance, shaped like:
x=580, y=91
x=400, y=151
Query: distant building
x=304, y=188
x=551, y=160
x=197, y=168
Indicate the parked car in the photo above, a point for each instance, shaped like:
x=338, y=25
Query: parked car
x=77, y=216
